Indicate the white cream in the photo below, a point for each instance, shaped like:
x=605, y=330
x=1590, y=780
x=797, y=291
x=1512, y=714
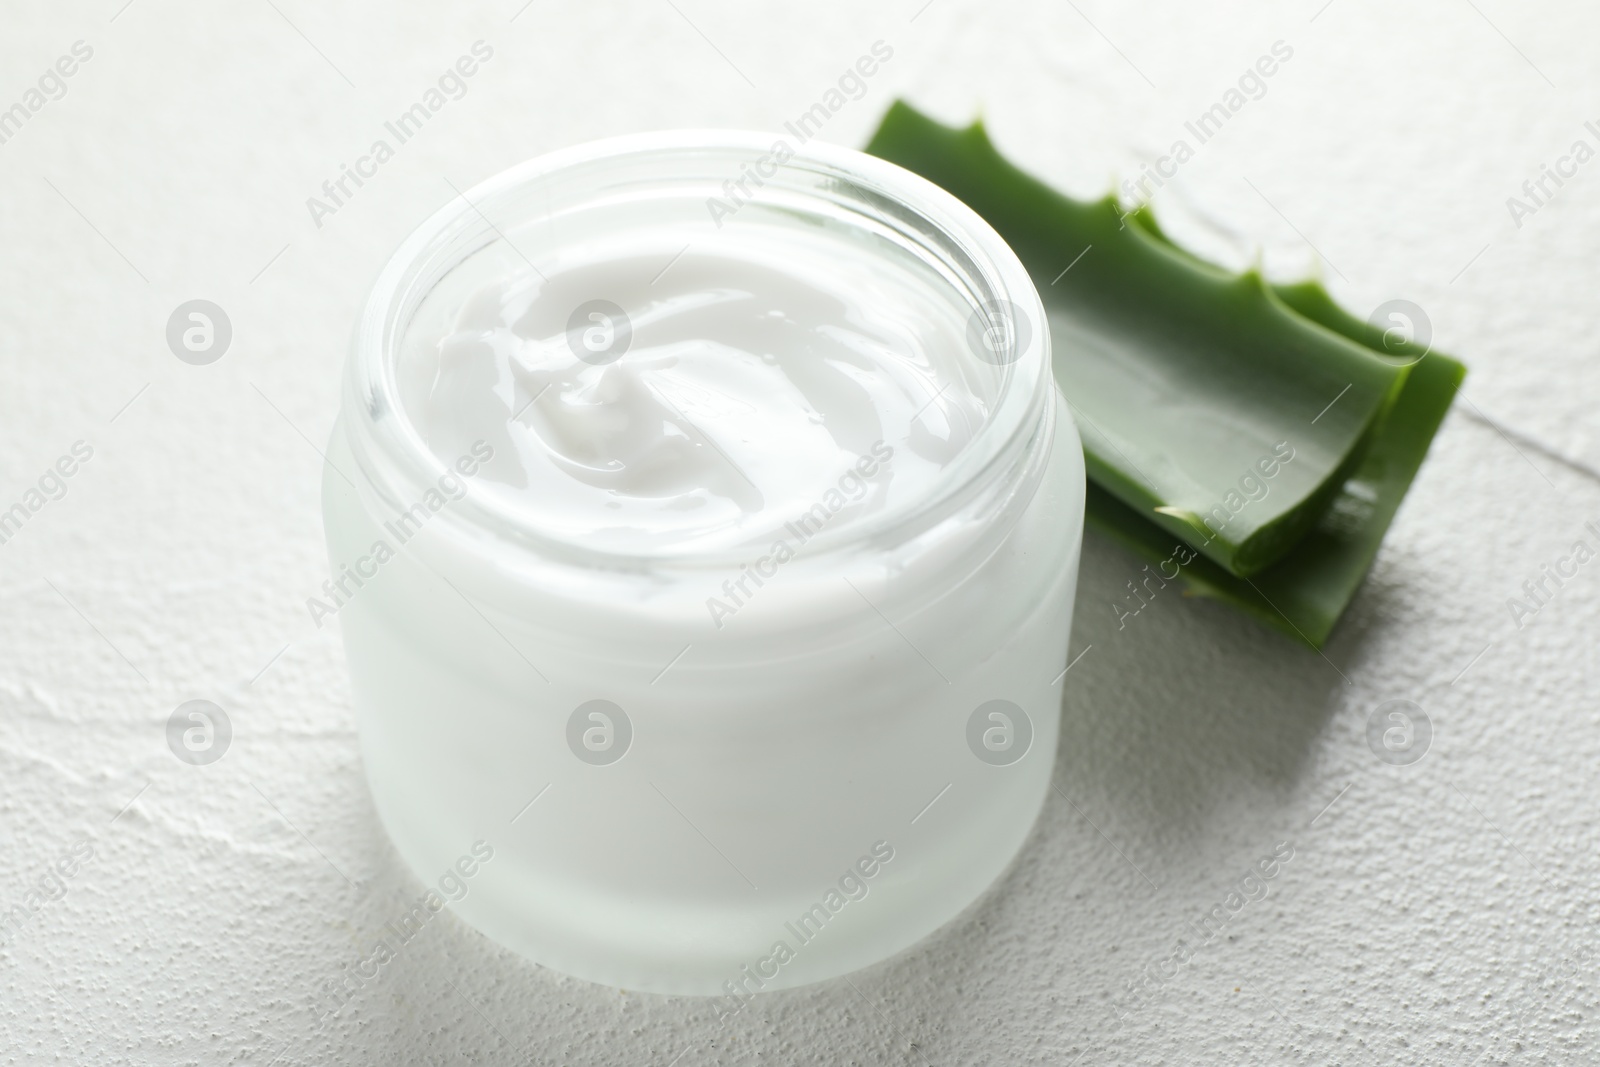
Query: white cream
x=779, y=593
x=757, y=373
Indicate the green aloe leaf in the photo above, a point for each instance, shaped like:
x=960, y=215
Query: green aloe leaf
x=1306, y=591
x=1204, y=401
x=1177, y=370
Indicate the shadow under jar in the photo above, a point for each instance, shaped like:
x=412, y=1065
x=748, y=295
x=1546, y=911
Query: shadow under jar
x=704, y=524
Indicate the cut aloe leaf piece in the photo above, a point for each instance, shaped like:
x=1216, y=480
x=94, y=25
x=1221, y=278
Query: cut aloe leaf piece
x=1306, y=591
x=1311, y=300
x=1206, y=404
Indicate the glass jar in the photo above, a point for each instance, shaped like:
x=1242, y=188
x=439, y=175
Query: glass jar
x=588, y=766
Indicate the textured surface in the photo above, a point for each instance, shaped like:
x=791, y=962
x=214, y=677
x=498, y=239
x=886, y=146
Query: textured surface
x=1439, y=912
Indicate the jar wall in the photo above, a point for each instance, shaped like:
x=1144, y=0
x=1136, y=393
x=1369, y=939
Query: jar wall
x=749, y=787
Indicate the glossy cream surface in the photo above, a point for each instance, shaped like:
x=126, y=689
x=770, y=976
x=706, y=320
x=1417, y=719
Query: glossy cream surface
x=679, y=391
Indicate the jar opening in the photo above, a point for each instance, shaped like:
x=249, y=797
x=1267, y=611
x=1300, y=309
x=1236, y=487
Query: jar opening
x=669, y=347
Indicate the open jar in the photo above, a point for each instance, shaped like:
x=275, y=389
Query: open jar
x=704, y=522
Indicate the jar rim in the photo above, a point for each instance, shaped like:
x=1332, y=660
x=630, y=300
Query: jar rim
x=398, y=464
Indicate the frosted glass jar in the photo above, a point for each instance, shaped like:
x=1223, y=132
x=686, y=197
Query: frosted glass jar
x=673, y=798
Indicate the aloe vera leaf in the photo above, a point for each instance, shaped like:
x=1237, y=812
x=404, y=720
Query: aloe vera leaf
x=1306, y=591
x=1189, y=383
x=1311, y=300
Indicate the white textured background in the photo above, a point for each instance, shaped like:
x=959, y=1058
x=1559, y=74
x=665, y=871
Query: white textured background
x=1443, y=912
